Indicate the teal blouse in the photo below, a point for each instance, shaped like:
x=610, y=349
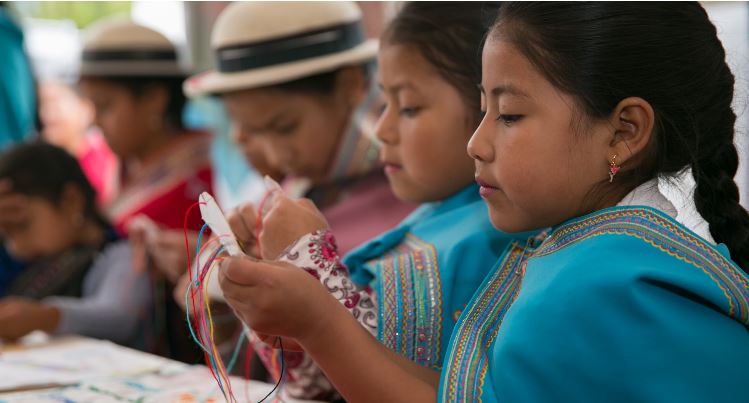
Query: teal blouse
x=425, y=270
x=17, y=88
x=623, y=305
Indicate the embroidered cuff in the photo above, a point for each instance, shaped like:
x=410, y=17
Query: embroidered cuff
x=317, y=253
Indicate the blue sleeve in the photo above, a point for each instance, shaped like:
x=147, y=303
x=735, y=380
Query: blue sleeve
x=9, y=270
x=17, y=88
x=627, y=326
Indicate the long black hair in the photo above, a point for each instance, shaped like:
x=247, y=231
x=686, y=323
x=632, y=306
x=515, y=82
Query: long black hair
x=669, y=55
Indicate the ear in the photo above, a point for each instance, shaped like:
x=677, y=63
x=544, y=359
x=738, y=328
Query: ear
x=633, y=121
x=351, y=84
x=72, y=201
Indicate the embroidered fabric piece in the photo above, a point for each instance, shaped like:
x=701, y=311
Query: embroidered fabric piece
x=317, y=254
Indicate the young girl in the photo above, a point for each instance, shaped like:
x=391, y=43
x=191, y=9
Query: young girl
x=78, y=277
x=419, y=275
x=588, y=104
x=296, y=80
x=131, y=75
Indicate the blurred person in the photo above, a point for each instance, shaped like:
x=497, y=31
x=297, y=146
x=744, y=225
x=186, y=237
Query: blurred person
x=132, y=76
x=67, y=120
x=79, y=278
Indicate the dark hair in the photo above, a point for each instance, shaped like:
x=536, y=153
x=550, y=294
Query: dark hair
x=666, y=54
x=42, y=170
x=449, y=35
x=319, y=84
x=139, y=85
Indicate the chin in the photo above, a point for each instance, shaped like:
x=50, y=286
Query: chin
x=405, y=195
x=506, y=221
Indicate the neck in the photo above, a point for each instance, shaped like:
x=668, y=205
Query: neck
x=149, y=149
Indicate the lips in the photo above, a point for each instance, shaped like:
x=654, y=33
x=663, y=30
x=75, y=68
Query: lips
x=486, y=189
x=390, y=167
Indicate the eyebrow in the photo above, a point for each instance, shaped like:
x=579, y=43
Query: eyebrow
x=270, y=124
x=505, y=89
x=398, y=87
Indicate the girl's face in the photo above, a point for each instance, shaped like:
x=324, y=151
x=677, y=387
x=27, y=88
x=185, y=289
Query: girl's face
x=47, y=230
x=534, y=167
x=298, y=134
x=126, y=123
x=256, y=157
x=424, y=128
x=65, y=116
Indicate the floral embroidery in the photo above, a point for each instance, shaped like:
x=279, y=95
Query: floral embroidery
x=317, y=254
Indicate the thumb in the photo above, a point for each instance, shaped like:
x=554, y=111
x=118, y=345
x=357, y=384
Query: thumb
x=244, y=271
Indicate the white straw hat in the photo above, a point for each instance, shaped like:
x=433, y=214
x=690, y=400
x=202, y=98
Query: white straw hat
x=264, y=43
x=116, y=47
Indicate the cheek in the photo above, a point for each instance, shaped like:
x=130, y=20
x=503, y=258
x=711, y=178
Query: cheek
x=434, y=158
x=317, y=143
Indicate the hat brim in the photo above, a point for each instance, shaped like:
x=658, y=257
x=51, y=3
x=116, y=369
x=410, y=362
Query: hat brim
x=214, y=82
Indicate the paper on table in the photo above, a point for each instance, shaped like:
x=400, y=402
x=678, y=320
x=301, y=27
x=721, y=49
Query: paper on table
x=193, y=384
x=72, y=362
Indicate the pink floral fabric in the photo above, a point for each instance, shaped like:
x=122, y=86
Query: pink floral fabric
x=317, y=253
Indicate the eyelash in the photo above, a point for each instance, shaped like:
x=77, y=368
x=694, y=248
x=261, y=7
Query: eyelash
x=409, y=112
x=286, y=130
x=508, y=119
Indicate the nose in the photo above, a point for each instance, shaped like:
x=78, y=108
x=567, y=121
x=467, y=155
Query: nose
x=238, y=136
x=276, y=154
x=480, y=146
x=386, y=130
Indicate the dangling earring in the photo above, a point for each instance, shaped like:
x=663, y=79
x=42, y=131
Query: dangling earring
x=613, y=168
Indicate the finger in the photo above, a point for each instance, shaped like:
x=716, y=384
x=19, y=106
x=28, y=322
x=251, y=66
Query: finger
x=248, y=211
x=271, y=199
x=241, y=221
x=246, y=272
x=307, y=204
x=280, y=208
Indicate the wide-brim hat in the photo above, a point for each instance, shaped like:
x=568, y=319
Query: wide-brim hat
x=118, y=47
x=257, y=44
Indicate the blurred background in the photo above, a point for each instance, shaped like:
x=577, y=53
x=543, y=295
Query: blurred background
x=53, y=40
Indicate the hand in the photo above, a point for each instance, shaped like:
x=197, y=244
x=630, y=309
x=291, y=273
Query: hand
x=276, y=342
x=13, y=210
x=287, y=221
x=168, y=254
x=139, y=229
x=164, y=247
x=242, y=221
x=180, y=289
x=21, y=316
x=275, y=298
